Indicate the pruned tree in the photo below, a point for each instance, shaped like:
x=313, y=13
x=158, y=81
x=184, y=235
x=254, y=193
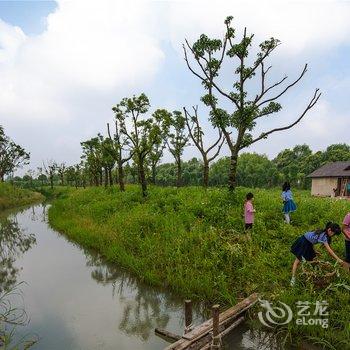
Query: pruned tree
x=238, y=123
x=154, y=158
x=50, y=169
x=12, y=156
x=108, y=158
x=41, y=176
x=93, y=160
x=142, y=133
x=196, y=133
x=120, y=147
x=176, y=139
x=61, y=171
x=71, y=175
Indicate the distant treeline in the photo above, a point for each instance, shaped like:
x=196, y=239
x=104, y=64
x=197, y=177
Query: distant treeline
x=254, y=170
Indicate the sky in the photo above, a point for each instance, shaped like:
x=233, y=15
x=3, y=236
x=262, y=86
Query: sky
x=64, y=64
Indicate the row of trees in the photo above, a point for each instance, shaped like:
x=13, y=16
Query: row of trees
x=140, y=137
x=253, y=170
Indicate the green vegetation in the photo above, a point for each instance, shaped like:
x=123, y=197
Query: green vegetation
x=253, y=170
x=12, y=156
x=192, y=240
x=12, y=196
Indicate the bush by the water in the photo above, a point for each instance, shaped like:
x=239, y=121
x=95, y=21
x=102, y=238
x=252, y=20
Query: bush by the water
x=192, y=240
x=12, y=196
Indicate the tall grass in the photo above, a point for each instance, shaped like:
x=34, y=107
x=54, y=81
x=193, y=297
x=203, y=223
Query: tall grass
x=192, y=241
x=12, y=196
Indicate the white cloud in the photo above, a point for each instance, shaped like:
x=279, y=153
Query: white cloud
x=302, y=26
x=87, y=46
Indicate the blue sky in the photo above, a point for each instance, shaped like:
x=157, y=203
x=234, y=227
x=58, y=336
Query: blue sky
x=63, y=65
x=29, y=15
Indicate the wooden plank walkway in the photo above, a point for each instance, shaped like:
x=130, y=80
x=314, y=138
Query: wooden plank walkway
x=211, y=330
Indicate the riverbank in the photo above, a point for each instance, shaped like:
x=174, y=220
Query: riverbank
x=12, y=196
x=191, y=240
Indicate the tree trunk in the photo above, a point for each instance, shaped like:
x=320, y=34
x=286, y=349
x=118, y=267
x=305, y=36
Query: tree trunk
x=205, y=173
x=51, y=182
x=153, y=174
x=106, y=176
x=110, y=177
x=142, y=177
x=232, y=181
x=116, y=178
x=121, y=177
x=101, y=177
x=179, y=170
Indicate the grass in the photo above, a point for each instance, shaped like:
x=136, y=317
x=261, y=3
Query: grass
x=12, y=196
x=192, y=241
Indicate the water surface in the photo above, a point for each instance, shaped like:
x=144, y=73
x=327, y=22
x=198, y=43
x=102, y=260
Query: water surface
x=75, y=300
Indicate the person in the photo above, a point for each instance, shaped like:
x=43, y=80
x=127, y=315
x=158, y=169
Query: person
x=249, y=211
x=288, y=203
x=303, y=247
x=346, y=232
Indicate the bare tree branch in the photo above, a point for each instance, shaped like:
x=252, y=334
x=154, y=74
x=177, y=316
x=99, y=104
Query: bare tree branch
x=311, y=104
x=286, y=89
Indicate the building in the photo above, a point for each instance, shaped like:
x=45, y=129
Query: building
x=332, y=179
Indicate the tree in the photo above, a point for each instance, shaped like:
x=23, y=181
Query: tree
x=41, y=176
x=293, y=164
x=196, y=133
x=61, y=171
x=120, y=142
x=192, y=173
x=12, y=156
x=209, y=55
x=176, y=139
x=108, y=158
x=71, y=175
x=50, y=169
x=154, y=158
x=142, y=133
x=256, y=170
x=93, y=160
x=219, y=172
x=337, y=152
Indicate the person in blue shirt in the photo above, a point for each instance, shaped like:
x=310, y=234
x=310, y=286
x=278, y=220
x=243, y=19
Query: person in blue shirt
x=303, y=247
x=288, y=203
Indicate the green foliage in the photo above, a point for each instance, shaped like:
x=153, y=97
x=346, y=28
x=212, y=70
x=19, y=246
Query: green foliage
x=191, y=173
x=192, y=240
x=296, y=163
x=12, y=196
x=253, y=170
x=12, y=156
x=141, y=132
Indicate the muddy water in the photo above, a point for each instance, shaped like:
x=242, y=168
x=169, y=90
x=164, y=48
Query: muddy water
x=75, y=300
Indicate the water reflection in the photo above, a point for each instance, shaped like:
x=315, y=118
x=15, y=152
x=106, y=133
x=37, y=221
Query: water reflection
x=144, y=308
x=14, y=242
